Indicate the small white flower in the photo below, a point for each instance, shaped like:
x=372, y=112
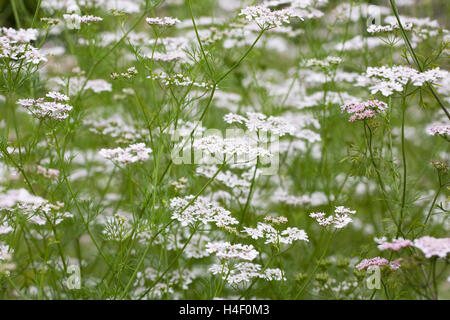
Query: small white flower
x=201, y=210
x=5, y=252
x=225, y=250
x=266, y=18
x=48, y=109
x=339, y=220
x=137, y=152
x=162, y=22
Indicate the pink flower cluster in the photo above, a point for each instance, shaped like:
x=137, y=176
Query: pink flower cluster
x=363, y=110
x=431, y=246
x=394, y=265
x=395, y=245
x=438, y=129
x=377, y=261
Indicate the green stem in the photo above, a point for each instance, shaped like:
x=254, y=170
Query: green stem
x=433, y=275
x=199, y=41
x=108, y=52
x=299, y=294
x=414, y=56
x=380, y=180
x=242, y=58
x=175, y=260
x=433, y=202
x=141, y=261
x=402, y=208
x=16, y=14
x=250, y=193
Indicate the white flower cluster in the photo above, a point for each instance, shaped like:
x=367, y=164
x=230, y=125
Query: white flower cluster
x=301, y=124
x=423, y=28
x=5, y=257
x=319, y=97
x=346, y=11
x=97, y=85
x=266, y=18
x=37, y=210
x=438, y=129
x=389, y=79
x=127, y=6
x=74, y=20
x=339, y=220
x=110, y=37
x=117, y=228
x=134, y=153
x=419, y=22
x=303, y=8
x=171, y=49
x=245, y=272
x=325, y=63
x=259, y=122
x=179, y=80
x=130, y=73
x=176, y=278
x=201, y=210
x=15, y=46
x=42, y=109
x=19, y=36
x=167, y=57
x=5, y=228
x=359, y=43
x=180, y=184
x=220, y=150
x=162, y=22
x=228, y=178
x=225, y=250
x=48, y=173
x=5, y=252
x=274, y=236
x=116, y=128
x=373, y=28
x=194, y=249
x=170, y=43
x=75, y=84
x=316, y=198
x=186, y=128
x=321, y=76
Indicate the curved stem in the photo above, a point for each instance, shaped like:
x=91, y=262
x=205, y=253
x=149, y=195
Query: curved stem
x=170, y=265
x=211, y=71
x=414, y=56
x=434, y=201
x=380, y=180
x=299, y=294
x=141, y=261
x=242, y=58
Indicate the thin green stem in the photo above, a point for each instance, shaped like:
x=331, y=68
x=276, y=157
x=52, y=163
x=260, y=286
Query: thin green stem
x=147, y=249
x=237, y=64
x=416, y=60
x=211, y=71
x=16, y=14
x=433, y=202
x=311, y=275
x=402, y=208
